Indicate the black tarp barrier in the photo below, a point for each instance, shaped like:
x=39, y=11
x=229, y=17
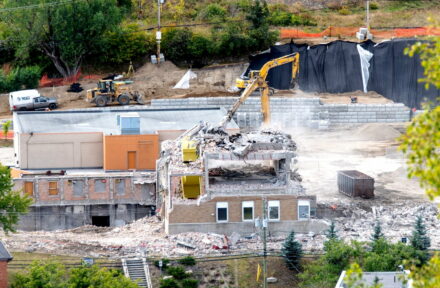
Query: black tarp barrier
x=335, y=68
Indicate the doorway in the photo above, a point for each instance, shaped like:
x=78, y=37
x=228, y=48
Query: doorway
x=101, y=221
x=131, y=160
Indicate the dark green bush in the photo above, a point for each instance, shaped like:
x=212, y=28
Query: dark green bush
x=20, y=78
x=190, y=283
x=374, y=5
x=125, y=45
x=165, y=263
x=178, y=272
x=176, y=45
x=168, y=283
x=280, y=18
x=188, y=261
x=213, y=12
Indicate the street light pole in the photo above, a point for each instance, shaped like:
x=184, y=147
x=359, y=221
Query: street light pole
x=368, y=15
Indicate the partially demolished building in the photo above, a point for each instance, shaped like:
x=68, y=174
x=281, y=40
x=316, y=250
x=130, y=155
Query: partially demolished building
x=94, y=166
x=211, y=181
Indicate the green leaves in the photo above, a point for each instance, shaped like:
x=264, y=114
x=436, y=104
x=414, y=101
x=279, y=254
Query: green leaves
x=54, y=275
x=12, y=204
x=292, y=252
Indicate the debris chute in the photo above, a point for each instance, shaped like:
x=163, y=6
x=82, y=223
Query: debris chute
x=184, y=82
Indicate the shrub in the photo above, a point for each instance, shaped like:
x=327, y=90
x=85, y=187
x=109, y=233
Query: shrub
x=20, y=78
x=334, y=5
x=178, y=272
x=176, y=45
x=165, y=263
x=188, y=261
x=190, y=283
x=374, y=5
x=213, y=12
x=168, y=283
x=344, y=11
x=126, y=44
x=280, y=18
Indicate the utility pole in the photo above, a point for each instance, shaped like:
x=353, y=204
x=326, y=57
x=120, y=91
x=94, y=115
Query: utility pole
x=368, y=15
x=264, y=242
x=158, y=33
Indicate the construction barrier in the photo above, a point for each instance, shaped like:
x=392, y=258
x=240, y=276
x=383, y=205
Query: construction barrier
x=45, y=81
x=287, y=33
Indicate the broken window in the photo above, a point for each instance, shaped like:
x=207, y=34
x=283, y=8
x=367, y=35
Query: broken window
x=29, y=188
x=222, y=211
x=100, y=185
x=78, y=188
x=248, y=210
x=120, y=186
x=53, y=188
x=274, y=210
x=303, y=209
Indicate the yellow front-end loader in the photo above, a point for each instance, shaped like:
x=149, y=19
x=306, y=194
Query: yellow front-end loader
x=110, y=91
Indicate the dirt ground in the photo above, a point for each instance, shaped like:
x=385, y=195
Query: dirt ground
x=158, y=82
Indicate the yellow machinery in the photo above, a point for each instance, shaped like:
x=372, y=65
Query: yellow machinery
x=258, y=81
x=191, y=187
x=243, y=82
x=109, y=91
x=189, y=150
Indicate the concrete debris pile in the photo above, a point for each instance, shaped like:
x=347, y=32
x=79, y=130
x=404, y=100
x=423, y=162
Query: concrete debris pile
x=146, y=236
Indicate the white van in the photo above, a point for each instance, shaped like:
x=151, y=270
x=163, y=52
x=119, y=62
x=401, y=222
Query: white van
x=29, y=100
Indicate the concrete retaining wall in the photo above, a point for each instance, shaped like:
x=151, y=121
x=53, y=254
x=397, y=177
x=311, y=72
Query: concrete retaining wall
x=293, y=112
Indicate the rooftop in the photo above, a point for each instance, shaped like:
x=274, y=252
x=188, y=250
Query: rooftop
x=106, y=120
x=387, y=279
x=4, y=253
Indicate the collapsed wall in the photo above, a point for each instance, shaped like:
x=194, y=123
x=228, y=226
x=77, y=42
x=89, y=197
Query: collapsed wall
x=223, y=188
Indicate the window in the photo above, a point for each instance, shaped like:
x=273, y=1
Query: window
x=274, y=210
x=29, y=188
x=100, y=185
x=78, y=188
x=222, y=211
x=120, y=186
x=303, y=209
x=248, y=210
x=53, y=188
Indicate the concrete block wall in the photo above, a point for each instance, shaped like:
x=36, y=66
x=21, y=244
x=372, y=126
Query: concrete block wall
x=293, y=112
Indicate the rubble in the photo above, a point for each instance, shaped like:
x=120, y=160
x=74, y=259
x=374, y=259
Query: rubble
x=146, y=236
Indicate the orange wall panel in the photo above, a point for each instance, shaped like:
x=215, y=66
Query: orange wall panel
x=117, y=148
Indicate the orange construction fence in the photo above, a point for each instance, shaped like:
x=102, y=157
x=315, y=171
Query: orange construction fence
x=45, y=81
x=331, y=31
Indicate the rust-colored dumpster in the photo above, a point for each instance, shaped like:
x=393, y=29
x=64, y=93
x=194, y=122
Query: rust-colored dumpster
x=355, y=184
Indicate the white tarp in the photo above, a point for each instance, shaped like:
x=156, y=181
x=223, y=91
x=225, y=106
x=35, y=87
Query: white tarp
x=365, y=56
x=184, y=82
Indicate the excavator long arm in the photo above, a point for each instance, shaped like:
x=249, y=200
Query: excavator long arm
x=260, y=82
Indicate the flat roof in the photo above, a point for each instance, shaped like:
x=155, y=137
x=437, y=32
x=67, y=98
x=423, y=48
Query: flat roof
x=105, y=120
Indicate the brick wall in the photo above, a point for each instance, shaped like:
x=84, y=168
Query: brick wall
x=3, y=274
x=189, y=212
x=133, y=193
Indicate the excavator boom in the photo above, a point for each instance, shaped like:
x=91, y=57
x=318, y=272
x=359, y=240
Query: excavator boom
x=259, y=81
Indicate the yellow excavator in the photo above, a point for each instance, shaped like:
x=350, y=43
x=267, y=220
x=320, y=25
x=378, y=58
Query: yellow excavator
x=257, y=80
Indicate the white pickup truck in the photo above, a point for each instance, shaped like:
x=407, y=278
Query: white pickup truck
x=30, y=100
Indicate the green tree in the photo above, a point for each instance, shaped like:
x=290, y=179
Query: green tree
x=419, y=239
x=260, y=35
x=427, y=276
x=292, y=252
x=55, y=275
x=12, y=204
x=168, y=283
x=421, y=141
x=377, y=234
x=176, y=44
x=64, y=33
x=5, y=127
x=331, y=233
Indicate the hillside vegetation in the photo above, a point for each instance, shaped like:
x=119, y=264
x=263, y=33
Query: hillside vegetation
x=105, y=35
